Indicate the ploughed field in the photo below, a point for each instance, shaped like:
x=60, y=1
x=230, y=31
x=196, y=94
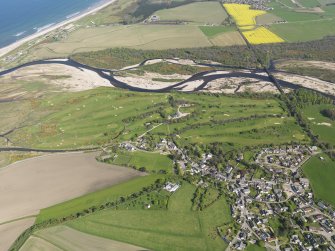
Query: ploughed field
x=33, y=184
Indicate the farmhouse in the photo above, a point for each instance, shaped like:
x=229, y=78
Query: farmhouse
x=171, y=187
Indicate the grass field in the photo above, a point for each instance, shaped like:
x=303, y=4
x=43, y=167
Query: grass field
x=206, y=126
x=153, y=162
x=96, y=198
x=304, y=31
x=157, y=229
x=85, y=118
x=201, y=12
x=212, y=31
x=254, y=247
x=320, y=125
x=98, y=116
x=253, y=132
x=321, y=174
x=309, y=3
x=267, y=19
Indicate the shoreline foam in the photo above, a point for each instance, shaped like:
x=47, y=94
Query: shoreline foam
x=5, y=50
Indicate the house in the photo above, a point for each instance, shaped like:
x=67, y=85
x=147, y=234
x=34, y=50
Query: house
x=171, y=187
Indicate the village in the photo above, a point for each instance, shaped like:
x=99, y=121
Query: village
x=276, y=209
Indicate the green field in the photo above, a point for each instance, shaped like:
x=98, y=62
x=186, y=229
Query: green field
x=321, y=174
x=153, y=162
x=304, y=31
x=302, y=25
x=97, y=198
x=309, y=3
x=254, y=247
x=158, y=229
x=253, y=132
x=105, y=115
x=212, y=31
x=320, y=125
x=201, y=12
x=86, y=118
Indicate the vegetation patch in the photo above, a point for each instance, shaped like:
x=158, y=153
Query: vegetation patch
x=143, y=161
x=212, y=31
x=178, y=225
x=96, y=199
x=320, y=170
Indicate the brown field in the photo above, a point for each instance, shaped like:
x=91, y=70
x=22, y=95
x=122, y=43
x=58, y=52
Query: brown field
x=33, y=184
x=65, y=238
x=227, y=39
x=10, y=231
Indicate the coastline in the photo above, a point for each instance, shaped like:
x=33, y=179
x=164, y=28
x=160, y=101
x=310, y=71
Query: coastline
x=5, y=50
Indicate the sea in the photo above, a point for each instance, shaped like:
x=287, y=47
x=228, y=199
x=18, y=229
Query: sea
x=21, y=18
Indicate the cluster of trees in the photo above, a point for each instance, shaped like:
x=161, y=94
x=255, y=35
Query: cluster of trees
x=323, y=49
x=330, y=113
x=302, y=97
x=204, y=197
x=117, y=58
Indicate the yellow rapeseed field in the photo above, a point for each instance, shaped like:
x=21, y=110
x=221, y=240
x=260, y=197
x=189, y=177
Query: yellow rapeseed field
x=262, y=35
x=245, y=19
x=243, y=15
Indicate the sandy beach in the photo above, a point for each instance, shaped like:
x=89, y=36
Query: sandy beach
x=13, y=46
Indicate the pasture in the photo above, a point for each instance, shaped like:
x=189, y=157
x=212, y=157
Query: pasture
x=157, y=229
x=321, y=175
x=304, y=31
x=212, y=31
x=152, y=162
x=199, y=12
x=97, y=198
